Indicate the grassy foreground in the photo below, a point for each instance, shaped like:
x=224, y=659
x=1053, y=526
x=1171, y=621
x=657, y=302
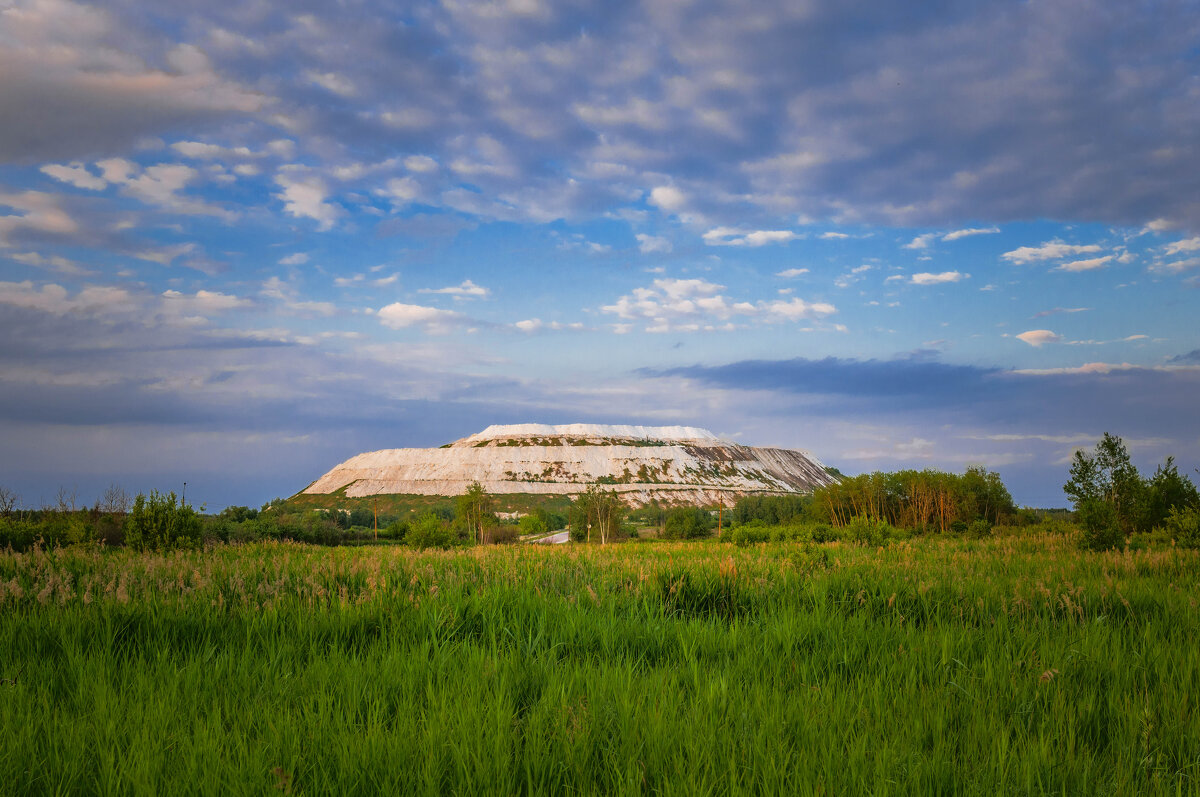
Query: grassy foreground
x=1011, y=665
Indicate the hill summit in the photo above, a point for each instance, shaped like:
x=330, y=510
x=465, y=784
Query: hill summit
x=675, y=464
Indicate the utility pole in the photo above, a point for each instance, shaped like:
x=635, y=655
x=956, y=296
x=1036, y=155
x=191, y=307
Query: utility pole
x=720, y=513
x=183, y=500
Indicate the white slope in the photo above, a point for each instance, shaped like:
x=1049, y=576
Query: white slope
x=616, y=431
x=673, y=463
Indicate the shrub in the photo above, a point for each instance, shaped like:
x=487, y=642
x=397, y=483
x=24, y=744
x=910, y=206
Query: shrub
x=687, y=523
x=429, y=531
x=532, y=525
x=1099, y=521
x=159, y=523
x=1184, y=527
x=979, y=528
x=871, y=532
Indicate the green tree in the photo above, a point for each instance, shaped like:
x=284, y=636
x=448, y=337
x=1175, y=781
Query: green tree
x=688, y=523
x=1167, y=490
x=599, y=510
x=159, y=522
x=1107, y=475
x=532, y=525
x=475, y=511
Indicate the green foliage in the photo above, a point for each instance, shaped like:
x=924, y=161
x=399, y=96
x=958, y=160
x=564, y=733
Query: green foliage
x=475, y=511
x=532, y=525
x=688, y=523
x=1184, y=526
x=159, y=523
x=596, y=516
x=773, y=510
x=915, y=500
x=1107, y=475
x=430, y=531
x=1100, y=523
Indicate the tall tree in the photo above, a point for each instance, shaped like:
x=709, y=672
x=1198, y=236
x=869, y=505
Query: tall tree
x=475, y=507
x=1107, y=475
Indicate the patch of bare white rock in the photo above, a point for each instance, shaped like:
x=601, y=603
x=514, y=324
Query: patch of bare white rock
x=675, y=464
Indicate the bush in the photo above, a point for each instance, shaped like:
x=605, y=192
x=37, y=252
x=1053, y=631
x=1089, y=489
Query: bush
x=979, y=528
x=532, y=525
x=871, y=532
x=429, y=531
x=159, y=523
x=1100, y=524
x=687, y=523
x=1184, y=527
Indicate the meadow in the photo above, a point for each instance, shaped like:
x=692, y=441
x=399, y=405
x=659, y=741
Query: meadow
x=1013, y=664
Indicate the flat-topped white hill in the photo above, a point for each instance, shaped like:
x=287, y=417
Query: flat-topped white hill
x=616, y=431
x=676, y=464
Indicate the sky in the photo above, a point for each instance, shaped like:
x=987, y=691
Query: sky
x=243, y=241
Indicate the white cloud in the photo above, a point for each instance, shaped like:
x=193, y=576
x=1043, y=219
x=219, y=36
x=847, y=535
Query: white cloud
x=690, y=305
x=789, y=273
x=925, y=278
x=75, y=174
x=831, y=236
x=332, y=82
x=1039, y=337
x=1175, y=267
x=668, y=198
x=465, y=290
x=202, y=302
x=648, y=244
x=732, y=236
x=400, y=190
x=956, y=234
x=304, y=198
x=1085, y=265
x=1051, y=250
x=52, y=262
x=422, y=164
x=298, y=259
x=200, y=150
x=1186, y=245
x=36, y=210
x=921, y=241
x=432, y=320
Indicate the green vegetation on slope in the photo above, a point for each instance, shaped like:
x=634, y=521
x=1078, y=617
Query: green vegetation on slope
x=940, y=665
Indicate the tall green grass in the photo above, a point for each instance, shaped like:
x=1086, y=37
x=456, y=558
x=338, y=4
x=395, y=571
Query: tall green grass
x=990, y=666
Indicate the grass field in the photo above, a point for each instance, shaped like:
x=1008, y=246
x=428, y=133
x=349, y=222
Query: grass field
x=938, y=666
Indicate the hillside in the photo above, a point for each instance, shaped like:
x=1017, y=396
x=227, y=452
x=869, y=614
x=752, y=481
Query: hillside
x=675, y=464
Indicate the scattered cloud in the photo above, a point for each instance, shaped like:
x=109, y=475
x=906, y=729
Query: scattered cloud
x=1186, y=245
x=649, y=244
x=75, y=174
x=429, y=319
x=790, y=273
x=668, y=198
x=921, y=241
x=925, y=278
x=464, y=290
x=304, y=197
x=732, y=236
x=691, y=305
x=956, y=234
x=1056, y=310
x=1039, y=337
x=1085, y=265
x=1051, y=250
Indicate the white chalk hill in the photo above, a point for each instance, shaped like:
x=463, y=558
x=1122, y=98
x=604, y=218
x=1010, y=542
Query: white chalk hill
x=675, y=464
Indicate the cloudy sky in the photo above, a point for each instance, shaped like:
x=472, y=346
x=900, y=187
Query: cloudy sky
x=242, y=241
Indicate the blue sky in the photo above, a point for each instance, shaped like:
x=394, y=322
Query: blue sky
x=240, y=242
